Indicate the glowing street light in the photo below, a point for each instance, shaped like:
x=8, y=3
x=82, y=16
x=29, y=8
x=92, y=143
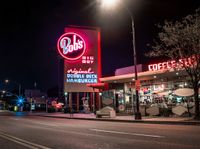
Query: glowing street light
x=114, y=3
x=109, y=3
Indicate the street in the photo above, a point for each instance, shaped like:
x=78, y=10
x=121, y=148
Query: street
x=20, y=132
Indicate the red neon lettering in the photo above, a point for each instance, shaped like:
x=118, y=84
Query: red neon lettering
x=164, y=65
x=187, y=62
x=169, y=65
x=155, y=67
x=150, y=67
x=190, y=61
x=173, y=63
x=181, y=63
x=159, y=66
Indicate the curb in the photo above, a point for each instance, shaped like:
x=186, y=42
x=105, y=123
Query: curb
x=129, y=121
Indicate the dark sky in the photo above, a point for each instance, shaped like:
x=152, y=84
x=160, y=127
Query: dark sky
x=29, y=30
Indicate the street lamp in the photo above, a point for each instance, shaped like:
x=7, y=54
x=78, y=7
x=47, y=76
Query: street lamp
x=109, y=3
x=19, y=85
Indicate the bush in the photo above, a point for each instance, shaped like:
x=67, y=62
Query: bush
x=51, y=110
x=165, y=112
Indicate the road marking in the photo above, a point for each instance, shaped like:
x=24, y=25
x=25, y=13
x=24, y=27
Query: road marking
x=22, y=142
x=127, y=133
x=18, y=142
x=40, y=122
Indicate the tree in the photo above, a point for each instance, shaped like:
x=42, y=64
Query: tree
x=180, y=41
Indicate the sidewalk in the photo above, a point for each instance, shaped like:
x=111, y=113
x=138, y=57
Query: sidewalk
x=130, y=119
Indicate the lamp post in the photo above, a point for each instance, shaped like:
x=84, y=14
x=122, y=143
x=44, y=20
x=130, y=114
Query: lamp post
x=66, y=100
x=19, y=85
x=109, y=3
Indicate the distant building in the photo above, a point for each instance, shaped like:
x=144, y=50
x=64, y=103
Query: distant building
x=31, y=93
x=36, y=98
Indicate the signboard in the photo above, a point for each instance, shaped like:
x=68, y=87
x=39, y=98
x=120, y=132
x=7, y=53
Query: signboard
x=71, y=46
x=80, y=48
x=32, y=106
x=187, y=62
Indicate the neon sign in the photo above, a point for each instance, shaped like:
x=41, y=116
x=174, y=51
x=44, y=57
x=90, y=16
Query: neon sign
x=79, y=71
x=87, y=59
x=81, y=76
x=71, y=46
x=187, y=62
x=161, y=66
x=80, y=48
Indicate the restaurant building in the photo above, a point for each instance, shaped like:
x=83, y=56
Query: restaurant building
x=160, y=84
x=87, y=91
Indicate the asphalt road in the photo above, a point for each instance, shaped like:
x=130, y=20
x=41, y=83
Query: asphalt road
x=22, y=132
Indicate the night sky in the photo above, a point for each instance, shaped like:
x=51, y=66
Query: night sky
x=29, y=30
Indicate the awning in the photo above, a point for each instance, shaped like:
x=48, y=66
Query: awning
x=146, y=75
x=98, y=85
x=184, y=92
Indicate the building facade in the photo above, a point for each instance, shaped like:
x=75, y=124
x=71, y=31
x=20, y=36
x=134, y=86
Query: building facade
x=162, y=87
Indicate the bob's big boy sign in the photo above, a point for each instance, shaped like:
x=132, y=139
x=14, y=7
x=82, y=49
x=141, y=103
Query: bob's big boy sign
x=80, y=48
x=71, y=46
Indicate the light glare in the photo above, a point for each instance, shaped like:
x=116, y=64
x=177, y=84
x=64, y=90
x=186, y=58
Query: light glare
x=109, y=3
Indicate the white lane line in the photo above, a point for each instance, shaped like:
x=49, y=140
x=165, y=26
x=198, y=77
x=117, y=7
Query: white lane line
x=40, y=122
x=127, y=133
x=22, y=142
x=18, y=142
